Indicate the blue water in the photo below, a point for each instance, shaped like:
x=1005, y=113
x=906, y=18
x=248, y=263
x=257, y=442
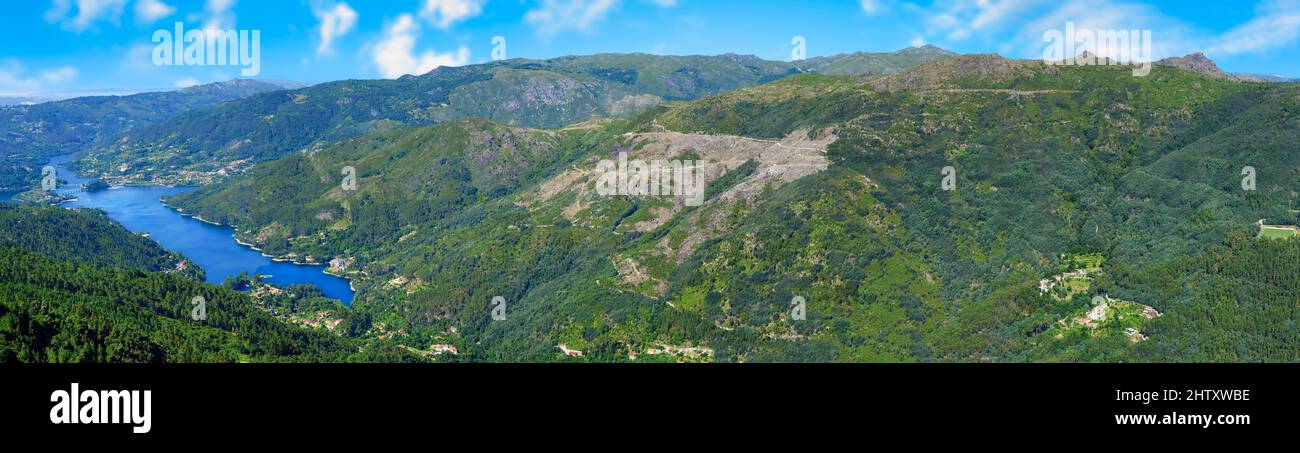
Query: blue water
x=212, y=247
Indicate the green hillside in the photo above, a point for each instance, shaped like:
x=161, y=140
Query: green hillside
x=531, y=93
x=77, y=287
x=88, y=236
x=826, y=189
x=30, y=134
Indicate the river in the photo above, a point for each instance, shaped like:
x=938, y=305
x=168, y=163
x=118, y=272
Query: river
x=212, y=247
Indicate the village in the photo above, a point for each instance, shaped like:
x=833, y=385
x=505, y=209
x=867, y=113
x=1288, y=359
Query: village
x=1104, y=313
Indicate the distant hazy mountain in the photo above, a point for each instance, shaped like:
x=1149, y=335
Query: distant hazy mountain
x=65, y=126
x=29, y=134
x=865, y=63
x=287, y=84
x=38, y=98
x=531, y=93
x=1271, y=78
x=6, y=101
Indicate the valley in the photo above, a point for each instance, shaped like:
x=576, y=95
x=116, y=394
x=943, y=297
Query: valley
x=211, y=246
x=1095, y=217
x=308, y=221
x=31, y=134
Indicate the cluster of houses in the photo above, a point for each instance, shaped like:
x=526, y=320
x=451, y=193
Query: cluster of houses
x=1045, y=285
x=440, y=349
x=322, y=319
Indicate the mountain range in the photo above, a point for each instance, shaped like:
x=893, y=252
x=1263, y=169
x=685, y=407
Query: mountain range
x=30, y=134
x=827, y=190
x=910, y=206
x=531, y=93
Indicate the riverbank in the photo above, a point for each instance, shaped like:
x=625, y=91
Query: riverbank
x=209, y=245
x=289, y=259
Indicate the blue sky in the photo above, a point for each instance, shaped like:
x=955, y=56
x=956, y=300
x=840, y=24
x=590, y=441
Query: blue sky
x=60, y=46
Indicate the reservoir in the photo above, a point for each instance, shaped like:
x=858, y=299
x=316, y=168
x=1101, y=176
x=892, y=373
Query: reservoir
x=212, y=247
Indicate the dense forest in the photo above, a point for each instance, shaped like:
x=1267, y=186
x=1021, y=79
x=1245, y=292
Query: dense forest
x=76, y=287
x=86, y=236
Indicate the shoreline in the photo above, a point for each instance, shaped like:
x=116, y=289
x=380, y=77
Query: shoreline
x=279, y=259
x=322, y=267
x=192, y=216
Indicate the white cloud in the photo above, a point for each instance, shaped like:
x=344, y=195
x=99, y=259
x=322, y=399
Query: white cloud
x=1016, y=27
x=959, y=20
x=60, y=75
x=994, y=12
x=137, y=61
x=186, y=83
x=444, y=13
x=336, y=20
x=555, y=16
x=149, y=11
x=870, y=7
x=15, y=82
x=1169, y=36
x=217, y=15
x=1276, y=23
x=395, y=54
x=220, y=5
x=88, y=13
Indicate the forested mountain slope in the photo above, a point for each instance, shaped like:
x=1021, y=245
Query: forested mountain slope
x=76, y=287
x=30, y=134
x=531, y=93
x=1096, y=216
x=87, y=236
